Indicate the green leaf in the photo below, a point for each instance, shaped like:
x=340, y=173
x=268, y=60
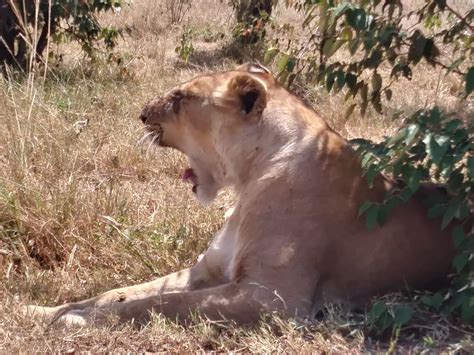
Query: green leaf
x=398, y=137
x=291, y=64
x=270, y=54
x=282, y=62
x=463, y=211
x=414, y=180
x=470, y=80
x=406, y=194
x=447, y=166
x=377, y=310
x=361, y=142
x=397, y=169
x=452, y=125
x=455, y=301
x=459, y=237
x=357, y=18
x=460, y=261
x=371, y=173
x=346, y=34
x=364, y=207
x=327, y=46
x=330, y=47
x=449, y=215
x=460, y=135
x=392, y=202
x=436, y=147
x=455, y=181
x=467, y=310
x=435, y=116
x=435, y=301
x=323, y=15
x=382, y=215
x=366, y=159
x=341, y=9
x=372, y=217
x=412, y=131
x=402, y=314
x=470, y=167
x=437, y=210
x=321, y=73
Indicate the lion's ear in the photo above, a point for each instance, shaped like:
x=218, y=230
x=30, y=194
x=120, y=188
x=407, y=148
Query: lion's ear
x=249, y=93
x=254, y=68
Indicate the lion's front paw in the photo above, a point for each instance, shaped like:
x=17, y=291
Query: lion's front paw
x=43, y=314
x=76, y=317
x=56, y=314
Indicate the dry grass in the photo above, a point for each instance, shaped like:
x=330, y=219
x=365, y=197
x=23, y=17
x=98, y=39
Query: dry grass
x=84, y=207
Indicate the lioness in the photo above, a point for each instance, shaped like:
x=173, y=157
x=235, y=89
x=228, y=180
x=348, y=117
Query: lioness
x=293, y=241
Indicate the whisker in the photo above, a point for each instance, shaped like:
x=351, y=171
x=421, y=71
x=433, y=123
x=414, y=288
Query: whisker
x=145, y=137
x=151, y=143
x=155, y=140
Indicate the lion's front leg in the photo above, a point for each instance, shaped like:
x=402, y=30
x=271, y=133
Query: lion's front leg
x=209, y=271
x=241, y=302
x=192, y=278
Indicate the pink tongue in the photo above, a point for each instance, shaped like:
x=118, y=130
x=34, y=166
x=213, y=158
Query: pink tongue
x=189, y=176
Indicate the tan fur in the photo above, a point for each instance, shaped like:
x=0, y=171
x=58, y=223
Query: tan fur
x=294, y=241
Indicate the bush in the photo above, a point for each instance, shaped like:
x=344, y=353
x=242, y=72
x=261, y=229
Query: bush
x=185, y=47
x=28, y=26
x=251, y=16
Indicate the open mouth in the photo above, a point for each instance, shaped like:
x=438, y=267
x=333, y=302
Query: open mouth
x=155, y=132
x=190, y=176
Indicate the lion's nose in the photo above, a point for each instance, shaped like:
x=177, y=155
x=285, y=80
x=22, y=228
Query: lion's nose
x=144, y=115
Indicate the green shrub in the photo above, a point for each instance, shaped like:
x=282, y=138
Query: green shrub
x=28, y=26
x=251, y=16
x=185, y=47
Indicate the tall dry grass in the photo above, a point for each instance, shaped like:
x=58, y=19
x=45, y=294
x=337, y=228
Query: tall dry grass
x=77, y=190
x=85, y=207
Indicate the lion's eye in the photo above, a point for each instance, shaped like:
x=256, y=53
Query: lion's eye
x=175, y=100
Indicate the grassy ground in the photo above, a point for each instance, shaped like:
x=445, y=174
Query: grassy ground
x=84, y=207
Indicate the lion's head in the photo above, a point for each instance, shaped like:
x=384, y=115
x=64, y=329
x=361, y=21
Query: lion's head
x=214, y=120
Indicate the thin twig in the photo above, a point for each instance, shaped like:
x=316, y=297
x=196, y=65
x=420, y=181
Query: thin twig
x=463, y=19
